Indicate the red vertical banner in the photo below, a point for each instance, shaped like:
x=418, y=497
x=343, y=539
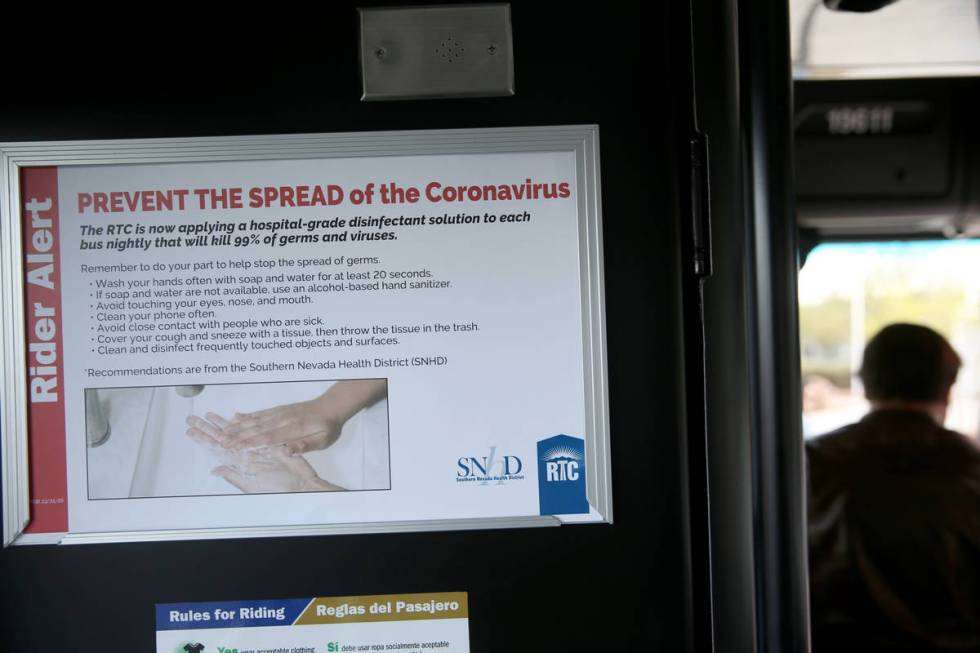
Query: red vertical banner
x=45, y=351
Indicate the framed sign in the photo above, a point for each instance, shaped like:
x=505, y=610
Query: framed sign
x=274, y=335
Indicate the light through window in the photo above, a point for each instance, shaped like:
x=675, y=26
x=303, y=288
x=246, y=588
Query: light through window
x=850, y=291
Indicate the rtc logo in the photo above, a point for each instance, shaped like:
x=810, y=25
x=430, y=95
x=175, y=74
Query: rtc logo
x=489, y=469
x=562, y=465
x=561, y=476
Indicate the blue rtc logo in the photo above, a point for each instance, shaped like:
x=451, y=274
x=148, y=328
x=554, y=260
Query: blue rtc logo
x=561, y=476
x=493, y=468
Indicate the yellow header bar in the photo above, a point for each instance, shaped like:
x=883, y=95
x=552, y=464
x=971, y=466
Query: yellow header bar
x=385, y=607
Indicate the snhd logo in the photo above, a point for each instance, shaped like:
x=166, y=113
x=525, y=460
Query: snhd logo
x=561, y=476
x=487, y=469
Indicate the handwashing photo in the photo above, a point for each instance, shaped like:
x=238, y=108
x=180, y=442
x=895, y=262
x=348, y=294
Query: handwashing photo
x=251, y=438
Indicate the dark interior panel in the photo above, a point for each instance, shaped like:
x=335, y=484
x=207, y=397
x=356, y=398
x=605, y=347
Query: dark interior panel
x=887, y=157
x=614, y=587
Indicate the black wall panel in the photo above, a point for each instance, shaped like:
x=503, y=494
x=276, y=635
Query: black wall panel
x=609, y=587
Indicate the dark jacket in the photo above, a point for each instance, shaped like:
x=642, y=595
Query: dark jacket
x=894, y=533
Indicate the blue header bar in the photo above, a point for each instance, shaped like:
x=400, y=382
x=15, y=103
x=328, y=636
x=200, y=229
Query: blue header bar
x=229, y=614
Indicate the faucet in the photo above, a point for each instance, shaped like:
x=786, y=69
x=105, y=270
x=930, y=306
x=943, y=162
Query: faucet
x=97, y=429
x=188, y=391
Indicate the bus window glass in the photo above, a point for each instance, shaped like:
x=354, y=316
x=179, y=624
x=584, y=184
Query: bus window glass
x=849, y=291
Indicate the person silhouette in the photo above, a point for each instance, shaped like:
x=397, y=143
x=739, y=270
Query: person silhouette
x=894, y=510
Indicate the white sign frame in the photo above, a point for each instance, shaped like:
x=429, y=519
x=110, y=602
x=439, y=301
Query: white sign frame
x=582, y=140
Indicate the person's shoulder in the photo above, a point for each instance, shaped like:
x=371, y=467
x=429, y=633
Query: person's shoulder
x=834, y=443
x=906, y=443
x=963, y=450
x=968, y=445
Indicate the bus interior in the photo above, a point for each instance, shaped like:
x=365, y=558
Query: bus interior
x=780, y=179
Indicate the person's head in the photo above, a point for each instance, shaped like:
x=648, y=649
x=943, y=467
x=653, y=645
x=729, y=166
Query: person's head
x=912, y=365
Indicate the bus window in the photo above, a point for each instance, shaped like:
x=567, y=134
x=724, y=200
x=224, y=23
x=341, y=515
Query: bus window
x=849, y=291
